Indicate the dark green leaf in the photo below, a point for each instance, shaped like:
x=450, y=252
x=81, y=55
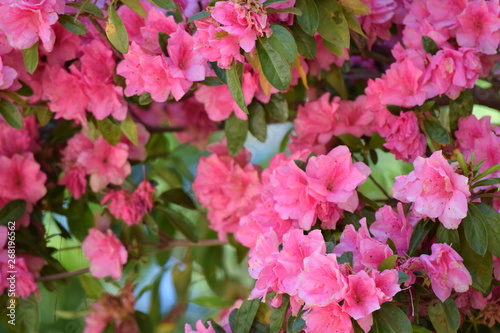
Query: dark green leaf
x=306, y=45
x=448, y=236
x=492, y=222
x=178, y=197
x=276, y=69
x=310, y=18
x=419, y=232
x=163, y=41
x=402, y=277
x=282, y=42
x=109, y=130
x=12, y=211
x=354, y=6
x=157, y=146
x=30, y=57
x=295, y=324
x=444, y=316
x=221, y=73
x=479, y=267
x=354, y=143
x=25, y=89
x=136, y=6
x=217, y=328
x=181, y=223
x=116, y=32
x=346, y=258
x=277, y=107
x=43, y=115
x=419, y=329
x=236, y=133
x=335, y=49
x=212, y=81
x=164, y=4
x=257, y=121
x=290, y=10
x=429, y=45
x=278, y=315
x=89, y=8
x=436, y=131
x=28, y=314
x=369, y=202
x=475, y=230
x=11, y=114
x=72, y=25
x=80, y=218
x=270, y=2
x=129, y=128
x=301, y=164
x=460, y=107
x=390, y=319
x=144, y=322
x=487, y=182
x=234, y=85
x=199, y=16
x=246, y=315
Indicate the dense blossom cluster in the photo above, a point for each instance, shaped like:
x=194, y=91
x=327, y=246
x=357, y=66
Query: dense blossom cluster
x=89, y=92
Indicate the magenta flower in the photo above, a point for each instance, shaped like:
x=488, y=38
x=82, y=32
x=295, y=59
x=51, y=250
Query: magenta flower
x=404, y=139
x=331, y=318
x=435, y=190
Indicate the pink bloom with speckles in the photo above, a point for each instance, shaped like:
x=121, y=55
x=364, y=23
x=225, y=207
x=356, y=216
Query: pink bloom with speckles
x=331, y=318
x=393, y=225
x=435, y=190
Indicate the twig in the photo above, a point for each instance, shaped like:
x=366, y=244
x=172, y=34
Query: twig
x=380, y=187
x=155, y=129
x=62, y=275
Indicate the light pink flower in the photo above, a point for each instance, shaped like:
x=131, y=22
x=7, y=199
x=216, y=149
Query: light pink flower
x=262, y=263
x=404, y=139
x=185, y=62
x=480, y=26
x=105, y=252
x=392, y=225
x=7, y=75
x=16, y=141
x=105, y=163
x=321, y=282
x=156, y=21
x=21, y=178
x=227, y=186
x=435, y=190
x=25, y=22
x=378, y=21
x=446, y=271
x=362, y=296
x=331, y=318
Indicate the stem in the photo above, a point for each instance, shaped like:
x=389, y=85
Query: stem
x=155, y=129
x=380, y=187
x=69, y=248
x=62, y=275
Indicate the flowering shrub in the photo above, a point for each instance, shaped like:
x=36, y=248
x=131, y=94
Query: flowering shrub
x=128, y=158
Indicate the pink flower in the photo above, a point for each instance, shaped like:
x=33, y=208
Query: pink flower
x=331, y=318
x=7, y=75
x=387, y=283
x=262, y=263
x=228, y=187
x=378, y=21
x=14, y=141
x=156, y=21
x=75, y=180
x=446, y=271
x=106, y=253
x=185, y=62
x=393, y=225
x=404, y=139
x=200, y=328
x=21, y=178
x=105, y=164
x=321, y=281
x=242, y=21
x=435, y=190
x=362, y=296
x=480, y=26
x=25, y=22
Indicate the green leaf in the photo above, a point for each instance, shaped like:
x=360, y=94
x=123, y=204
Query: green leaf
x=257, y=121
x=436, y=131
x=157, y=146
x=179, y=197
x=310, y=18
x=475, y=230
x=143, y=322
x=353, y=23
x=270, y=2
x=236, y=133
x=43, y=115
x=354, y=6
x=338, y=51
x=306, y=45
x=460, y=107
x=419, y=232
x=80, y=218
x=129, y=128
x=214, y=302
x=92, y=286
x=72, y=25
x=275, y=68
x=28, y=314
x=278, y=315
x=25, y=89
x=388, y=262
x=492, y=222
x=277, y=107
x=444, y=316
x=164, y=4
x=246, y=315
x=234, y=85
x=12, y=211
x=116, y=32
x=479, y=267
x=11, y=114
x=461, y=161
x=336, y=80
x=295, y=324
x=30, y=57
x=487, y=172
x=346, y=258
x=181, y=278
x=487, y=182
x=419, y=329
x=109, y=130
x=199, y=16
x=163, y=41
x=89, y=8
x=429, y=45
x=333, y=29
x=390, y=319
x=136, y=6
x=212, y=81
x=301, y=164
x=217, y=328
x=402, y=277
x=290, y=10
x=181, y=223
x=282, y=42
x=354, y=143
x=448, y=236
